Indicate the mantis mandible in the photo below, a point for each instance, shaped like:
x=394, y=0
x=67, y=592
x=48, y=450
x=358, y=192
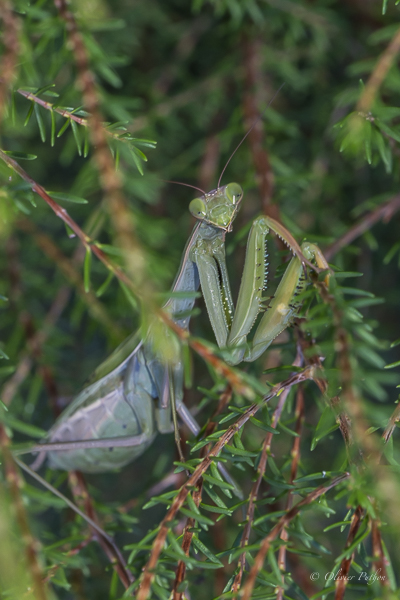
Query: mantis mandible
x=116, y=417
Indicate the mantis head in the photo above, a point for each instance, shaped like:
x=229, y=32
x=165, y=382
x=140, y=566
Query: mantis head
x=218, y=207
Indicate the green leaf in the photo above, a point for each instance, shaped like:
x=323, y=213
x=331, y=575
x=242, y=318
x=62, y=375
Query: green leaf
x=86, y=270
x=44, y=89
x=67, y=197
x=64, y=127
x=203, y=548
x=29, y=114
x=86, y=143
x=384, y=151
x=196, y=516
x=76, y=136
x=39, y=119
x=239, y=451
x=216, y=509
x=129, y=296
x=347, y=274
x=104, y=286
x=53, y=128
x=392, y=365
x=20, y=155
x=326, y=424
x=392, y=252
x=3, y=354
x=388, y=130
x=26, y=428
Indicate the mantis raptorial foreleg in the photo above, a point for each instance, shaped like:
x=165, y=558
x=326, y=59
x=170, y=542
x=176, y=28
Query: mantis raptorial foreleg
x=231, y=327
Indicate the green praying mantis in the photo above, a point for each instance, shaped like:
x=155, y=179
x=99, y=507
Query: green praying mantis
x=131, y=395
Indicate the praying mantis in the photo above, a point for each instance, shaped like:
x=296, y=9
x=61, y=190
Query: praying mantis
x=132, y=394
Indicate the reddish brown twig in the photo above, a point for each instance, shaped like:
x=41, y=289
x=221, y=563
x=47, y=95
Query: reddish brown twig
x=31, y=545
x=10, y=29
x=385, y=212
x=341, y=581
x=186, y=543
x=378, y=554
x=253, y=77
x=391, y=426
x=109, y=177
x=379, y=73
x=299, y=414
x=82, y=497
x=276, y=530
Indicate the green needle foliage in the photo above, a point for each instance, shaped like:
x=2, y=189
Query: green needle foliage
x=100, y=103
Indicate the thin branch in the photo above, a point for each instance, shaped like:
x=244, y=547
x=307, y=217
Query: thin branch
x=186, y=543
x=148, y=574
x=385, y=212
x=252, y=62
x=379, y=73
x=67, y=114
x=341, y=582
x=391, y=426
x=299, y=414
x=110, y=179
x=378, y=554
x=276, y=530
x=80, y=491
x=31, y=546
x=10, y=29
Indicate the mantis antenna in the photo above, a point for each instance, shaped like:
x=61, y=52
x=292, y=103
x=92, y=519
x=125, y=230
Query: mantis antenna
x=185, y=184
x=249, y=131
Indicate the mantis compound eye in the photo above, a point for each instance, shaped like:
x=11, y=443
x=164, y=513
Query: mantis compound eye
x=234, y=192
x=198, y=208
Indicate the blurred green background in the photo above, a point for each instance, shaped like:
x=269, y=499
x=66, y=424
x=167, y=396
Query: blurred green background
x=193, y=77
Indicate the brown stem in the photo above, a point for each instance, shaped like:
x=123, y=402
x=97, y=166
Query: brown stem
x=379, y=73
x=81, y=495
x=252, y=61
x=299, y=414
x=391, y=426
x=10, y=28
x=31, y=546
x=385, y=212
x=341, y=581
x=186, y=543
x=109, y=177
x=378, y=554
